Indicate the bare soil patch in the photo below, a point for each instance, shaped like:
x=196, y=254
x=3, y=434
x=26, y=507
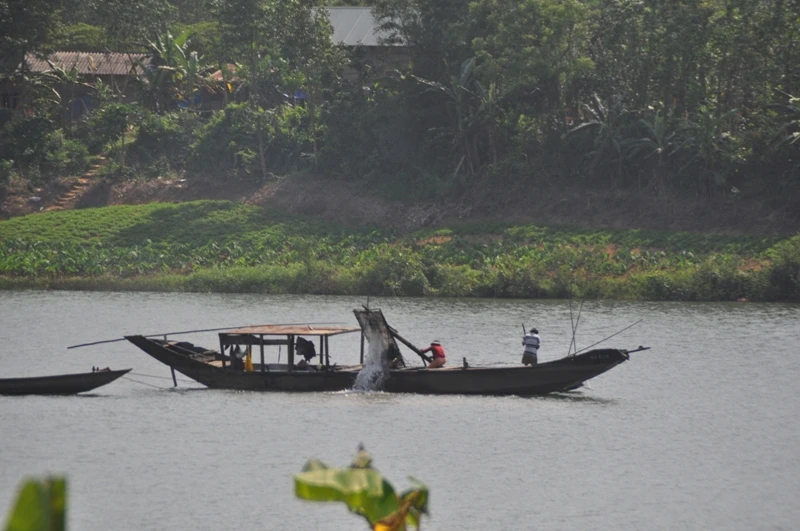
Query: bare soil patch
x=345, y=203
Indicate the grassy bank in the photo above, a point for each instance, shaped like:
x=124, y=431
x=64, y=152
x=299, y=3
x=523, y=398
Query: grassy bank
x=229, y=247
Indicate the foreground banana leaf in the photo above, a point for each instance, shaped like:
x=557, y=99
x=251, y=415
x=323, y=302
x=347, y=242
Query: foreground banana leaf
x=41, y=506
x=364, y=491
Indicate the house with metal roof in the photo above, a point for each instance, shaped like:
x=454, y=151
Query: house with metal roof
x=355, y=28
x=359, y=31
x=115, y=70
x=91, y=64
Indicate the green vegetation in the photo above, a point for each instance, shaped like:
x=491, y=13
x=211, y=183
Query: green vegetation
x=41, y=506
x=663, y=101
x=674, y=101
x=365, y=492
x=222, y=246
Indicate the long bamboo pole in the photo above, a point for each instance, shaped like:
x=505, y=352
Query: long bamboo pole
x=194, y=332
x=409, y=345
x=609, y=337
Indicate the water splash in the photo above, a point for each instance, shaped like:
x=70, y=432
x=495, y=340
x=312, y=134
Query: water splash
x=376, y=367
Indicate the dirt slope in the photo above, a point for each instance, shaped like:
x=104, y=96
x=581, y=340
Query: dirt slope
x=345, y=203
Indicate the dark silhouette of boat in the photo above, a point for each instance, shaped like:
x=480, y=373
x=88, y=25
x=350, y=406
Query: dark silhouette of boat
x=225, y=369
x=60, y=384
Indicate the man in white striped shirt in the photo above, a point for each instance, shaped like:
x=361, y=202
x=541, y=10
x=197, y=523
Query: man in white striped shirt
x=531, y=342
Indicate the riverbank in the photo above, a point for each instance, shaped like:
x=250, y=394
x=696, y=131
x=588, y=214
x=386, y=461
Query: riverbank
x=515, y=202
x=222, y=246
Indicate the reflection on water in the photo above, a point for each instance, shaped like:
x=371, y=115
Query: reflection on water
x=577, y=397
x=698, y=433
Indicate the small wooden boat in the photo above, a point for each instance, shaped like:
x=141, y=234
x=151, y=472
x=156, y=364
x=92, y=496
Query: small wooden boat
x=221, y=369
x=60, y=384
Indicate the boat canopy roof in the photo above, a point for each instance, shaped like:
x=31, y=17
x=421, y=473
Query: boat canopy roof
x=292, y=330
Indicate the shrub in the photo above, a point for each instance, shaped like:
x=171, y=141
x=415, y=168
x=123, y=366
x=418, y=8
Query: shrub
x=108, y=125
x=163, y=142
x=5, y=177
x=454, y=280
x=395, y=271
x=40, y=150
x=25, y=141
x=234, y=140
x=784, y=275
x=65, y=156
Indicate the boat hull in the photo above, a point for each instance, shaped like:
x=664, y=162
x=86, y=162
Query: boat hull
x=62, y=384
x=555, y=376
x=560, y=375
x=200, y=370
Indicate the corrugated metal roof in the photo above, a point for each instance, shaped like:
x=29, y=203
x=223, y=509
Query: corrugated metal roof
x=296, y=330
x=88, y=63
x=355, y=26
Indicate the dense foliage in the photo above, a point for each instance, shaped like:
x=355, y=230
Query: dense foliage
x=221, y=246
x=674, y=100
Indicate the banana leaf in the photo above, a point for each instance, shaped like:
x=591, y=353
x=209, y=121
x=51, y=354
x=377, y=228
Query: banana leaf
x=40, y=506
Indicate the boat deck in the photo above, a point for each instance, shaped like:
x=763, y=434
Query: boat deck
x=293, y=330
x=284, y=367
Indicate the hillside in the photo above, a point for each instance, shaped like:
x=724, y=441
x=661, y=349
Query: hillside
x=347, y=204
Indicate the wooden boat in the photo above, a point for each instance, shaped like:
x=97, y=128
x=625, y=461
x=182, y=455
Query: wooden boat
x=221, y=370
x=60, y=384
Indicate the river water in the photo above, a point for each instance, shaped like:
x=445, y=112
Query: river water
x=701, y=432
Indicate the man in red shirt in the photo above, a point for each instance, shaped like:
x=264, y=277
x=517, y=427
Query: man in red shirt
x=438, y=354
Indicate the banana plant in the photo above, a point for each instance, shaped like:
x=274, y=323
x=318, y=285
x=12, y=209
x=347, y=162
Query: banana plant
x=489, y=114
x=789, y=132
x=365, y=492
x=707, y=142
x=605, y=122
x=70, y=78
x=171, y=73
x=461, y=97
x=41, y=506
x=652, y=149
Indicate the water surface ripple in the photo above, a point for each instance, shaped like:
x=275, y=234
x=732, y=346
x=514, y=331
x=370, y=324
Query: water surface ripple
x=698, y=433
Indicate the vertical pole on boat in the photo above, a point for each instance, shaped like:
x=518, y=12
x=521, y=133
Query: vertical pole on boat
x=290, y=351
x=262, y=351
x=222, y=351
x=362, y=347
x=321, y=351
x=327, y=353
x=172, y=369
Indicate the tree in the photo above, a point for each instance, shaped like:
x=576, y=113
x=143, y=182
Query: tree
x=286, y=47
x=433, y=31
x=534, y=50
x=129, y=23
x=81, y=37
x=282, y=44
x=26, y=26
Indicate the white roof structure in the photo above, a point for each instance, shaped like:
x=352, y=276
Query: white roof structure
x=356, y=26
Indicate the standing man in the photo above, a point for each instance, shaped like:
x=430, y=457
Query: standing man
x=438, y=354
x=531, y=343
